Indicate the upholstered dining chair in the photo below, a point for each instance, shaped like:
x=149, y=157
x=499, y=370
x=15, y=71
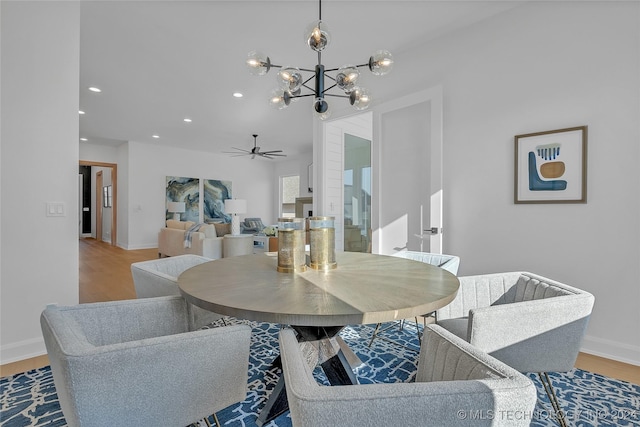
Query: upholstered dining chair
x=141, y=362
x=529, y=322
x=159, y=277
x=451, y=263
x=454, y=383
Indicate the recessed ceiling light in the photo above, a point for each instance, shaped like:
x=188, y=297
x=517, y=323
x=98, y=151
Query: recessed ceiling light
x=188, y=120
x=80, y=112
x=238, y=94
x=83, y=139
x=155, y=136
x=94, y=89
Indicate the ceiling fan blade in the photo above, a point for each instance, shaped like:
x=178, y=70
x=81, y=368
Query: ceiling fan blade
x=239, y=149
x=272, y=151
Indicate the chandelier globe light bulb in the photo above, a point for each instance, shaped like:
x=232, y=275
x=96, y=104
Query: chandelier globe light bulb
x=381, y=62
x=317, y=36
x=360, y=98
x=258, y=63
x=347, y=77
x=279, y=99
x=289, y=79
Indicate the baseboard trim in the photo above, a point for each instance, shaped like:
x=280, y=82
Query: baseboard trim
x=21, y=350
x=613, y=350
x=136, y=247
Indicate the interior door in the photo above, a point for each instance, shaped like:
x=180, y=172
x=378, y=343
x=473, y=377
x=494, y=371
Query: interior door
x=99, y=204
x=408, y=162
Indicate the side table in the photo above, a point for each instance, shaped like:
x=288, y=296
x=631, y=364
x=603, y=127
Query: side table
x=234, y=245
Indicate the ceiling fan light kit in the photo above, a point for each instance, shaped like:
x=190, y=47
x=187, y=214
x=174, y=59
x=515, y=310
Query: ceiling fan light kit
x=291, y=81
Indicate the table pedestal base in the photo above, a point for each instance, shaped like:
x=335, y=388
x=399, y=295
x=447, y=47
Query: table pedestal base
x=322, y=347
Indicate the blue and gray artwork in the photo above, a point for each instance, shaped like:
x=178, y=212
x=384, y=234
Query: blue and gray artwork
x=550, y=169
x=187, y=190
x=215, y=193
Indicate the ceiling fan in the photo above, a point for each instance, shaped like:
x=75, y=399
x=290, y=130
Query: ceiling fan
x=255, y=151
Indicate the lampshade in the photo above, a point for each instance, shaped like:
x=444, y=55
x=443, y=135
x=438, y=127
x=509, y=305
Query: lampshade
x=176, y=207
x=235, y=206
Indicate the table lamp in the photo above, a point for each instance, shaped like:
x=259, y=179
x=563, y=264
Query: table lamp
x=235, y=207
x=177, y=208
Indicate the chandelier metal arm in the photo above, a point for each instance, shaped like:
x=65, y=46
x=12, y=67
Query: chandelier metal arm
x=302, y=96
x=336, y=95
x=328, y=89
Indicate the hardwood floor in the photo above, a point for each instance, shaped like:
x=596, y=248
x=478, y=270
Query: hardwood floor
x=105, y=271
x=105, y=275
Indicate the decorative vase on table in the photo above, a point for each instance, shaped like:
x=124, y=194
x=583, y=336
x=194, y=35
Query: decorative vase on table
x=322, y=236
x=291, y=254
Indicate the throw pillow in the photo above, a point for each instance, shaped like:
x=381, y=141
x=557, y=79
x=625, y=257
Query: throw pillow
x=222, y=228
x=172, y=223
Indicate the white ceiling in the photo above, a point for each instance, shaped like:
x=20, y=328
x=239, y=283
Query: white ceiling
x=158, y=62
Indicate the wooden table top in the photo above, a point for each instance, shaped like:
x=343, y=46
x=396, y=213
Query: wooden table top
x=363, y=289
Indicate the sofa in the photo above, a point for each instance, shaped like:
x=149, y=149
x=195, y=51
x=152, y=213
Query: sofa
x=204, y=242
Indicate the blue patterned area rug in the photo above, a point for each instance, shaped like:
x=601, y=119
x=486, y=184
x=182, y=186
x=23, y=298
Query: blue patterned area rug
x=588, y=399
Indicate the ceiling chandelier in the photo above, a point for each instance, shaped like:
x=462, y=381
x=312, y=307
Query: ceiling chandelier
x=291, y=82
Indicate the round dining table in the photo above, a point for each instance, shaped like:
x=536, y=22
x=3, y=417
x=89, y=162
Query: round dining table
x=363, y=289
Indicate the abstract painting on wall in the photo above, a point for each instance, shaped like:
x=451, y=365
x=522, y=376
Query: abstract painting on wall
x=187, y=190
x=551, y=166
x=215, y=193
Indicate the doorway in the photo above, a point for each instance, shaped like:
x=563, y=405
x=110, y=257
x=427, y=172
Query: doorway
x=357, y=194
x=98, y=197
x=408, y=160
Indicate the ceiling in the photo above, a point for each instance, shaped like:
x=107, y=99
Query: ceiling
x=158, y=62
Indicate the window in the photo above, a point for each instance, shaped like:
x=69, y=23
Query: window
x=289, y=191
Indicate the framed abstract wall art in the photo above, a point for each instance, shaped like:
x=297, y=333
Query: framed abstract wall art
x=187, y=190
x=215, y=193
x=551, y=166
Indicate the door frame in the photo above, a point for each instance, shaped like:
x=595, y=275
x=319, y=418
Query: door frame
x=434, y=96
x=114, y=184
x=99, y=204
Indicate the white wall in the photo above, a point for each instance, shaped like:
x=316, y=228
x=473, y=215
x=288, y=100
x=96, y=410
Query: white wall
x=98, y=152
x=544, y=66
x=150, y=164
x=39, y=164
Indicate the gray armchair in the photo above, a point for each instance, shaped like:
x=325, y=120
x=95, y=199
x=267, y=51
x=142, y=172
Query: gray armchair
x=451, y=263
x=454, y=383
x=529, y=322
x=159, y=277
x=139, y=362
x=251, y=226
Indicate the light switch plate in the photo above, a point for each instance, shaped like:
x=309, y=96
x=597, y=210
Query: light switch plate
x=56, y=209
